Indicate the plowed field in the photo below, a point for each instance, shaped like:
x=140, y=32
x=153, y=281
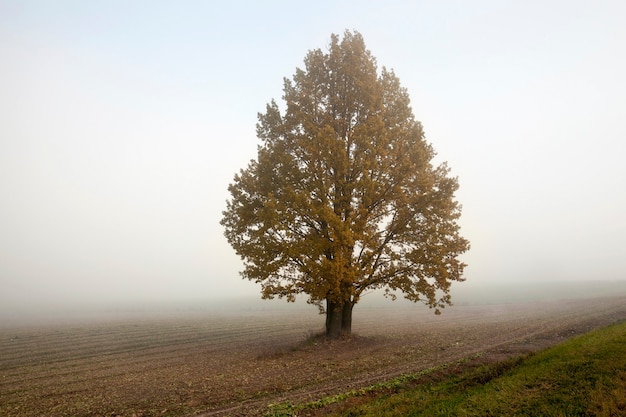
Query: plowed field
x=208, y=363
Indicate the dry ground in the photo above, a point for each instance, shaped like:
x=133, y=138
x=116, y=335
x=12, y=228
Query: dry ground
x=210, y=364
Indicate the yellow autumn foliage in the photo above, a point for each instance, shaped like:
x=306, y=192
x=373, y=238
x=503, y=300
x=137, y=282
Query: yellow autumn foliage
x=343, y=196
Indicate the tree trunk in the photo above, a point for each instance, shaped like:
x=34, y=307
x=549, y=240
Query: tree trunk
x=346, y=318
x=334, y=320
x=329, y=315
x=338, y=319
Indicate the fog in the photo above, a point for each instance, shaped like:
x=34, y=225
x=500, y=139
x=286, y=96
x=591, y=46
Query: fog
x=121, y=126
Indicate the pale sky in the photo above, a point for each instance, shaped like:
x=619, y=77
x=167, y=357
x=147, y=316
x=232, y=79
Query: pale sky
x=123, y=122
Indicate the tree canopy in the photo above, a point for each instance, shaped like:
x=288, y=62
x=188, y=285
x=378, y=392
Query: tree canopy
x=343, y=197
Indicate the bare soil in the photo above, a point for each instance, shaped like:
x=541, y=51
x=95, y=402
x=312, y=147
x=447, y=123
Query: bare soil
x=208, y=364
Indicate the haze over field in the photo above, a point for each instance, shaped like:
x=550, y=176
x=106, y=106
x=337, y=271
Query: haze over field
x=122, y=124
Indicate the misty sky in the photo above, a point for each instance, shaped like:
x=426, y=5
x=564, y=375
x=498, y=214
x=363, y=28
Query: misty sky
x=122, y=124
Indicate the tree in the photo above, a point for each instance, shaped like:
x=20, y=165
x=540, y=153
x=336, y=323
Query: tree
x=343, y=197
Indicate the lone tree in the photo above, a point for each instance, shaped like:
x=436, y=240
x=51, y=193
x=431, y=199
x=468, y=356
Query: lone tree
x=343, y=197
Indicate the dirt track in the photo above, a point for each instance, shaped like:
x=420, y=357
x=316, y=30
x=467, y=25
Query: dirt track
x=236, y=365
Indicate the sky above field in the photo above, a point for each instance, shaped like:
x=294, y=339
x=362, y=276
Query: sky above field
x=122, y=124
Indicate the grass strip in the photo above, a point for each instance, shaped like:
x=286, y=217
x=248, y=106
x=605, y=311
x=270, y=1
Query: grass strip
x=581, y=377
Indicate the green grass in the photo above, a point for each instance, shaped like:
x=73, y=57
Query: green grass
x=585, y=376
